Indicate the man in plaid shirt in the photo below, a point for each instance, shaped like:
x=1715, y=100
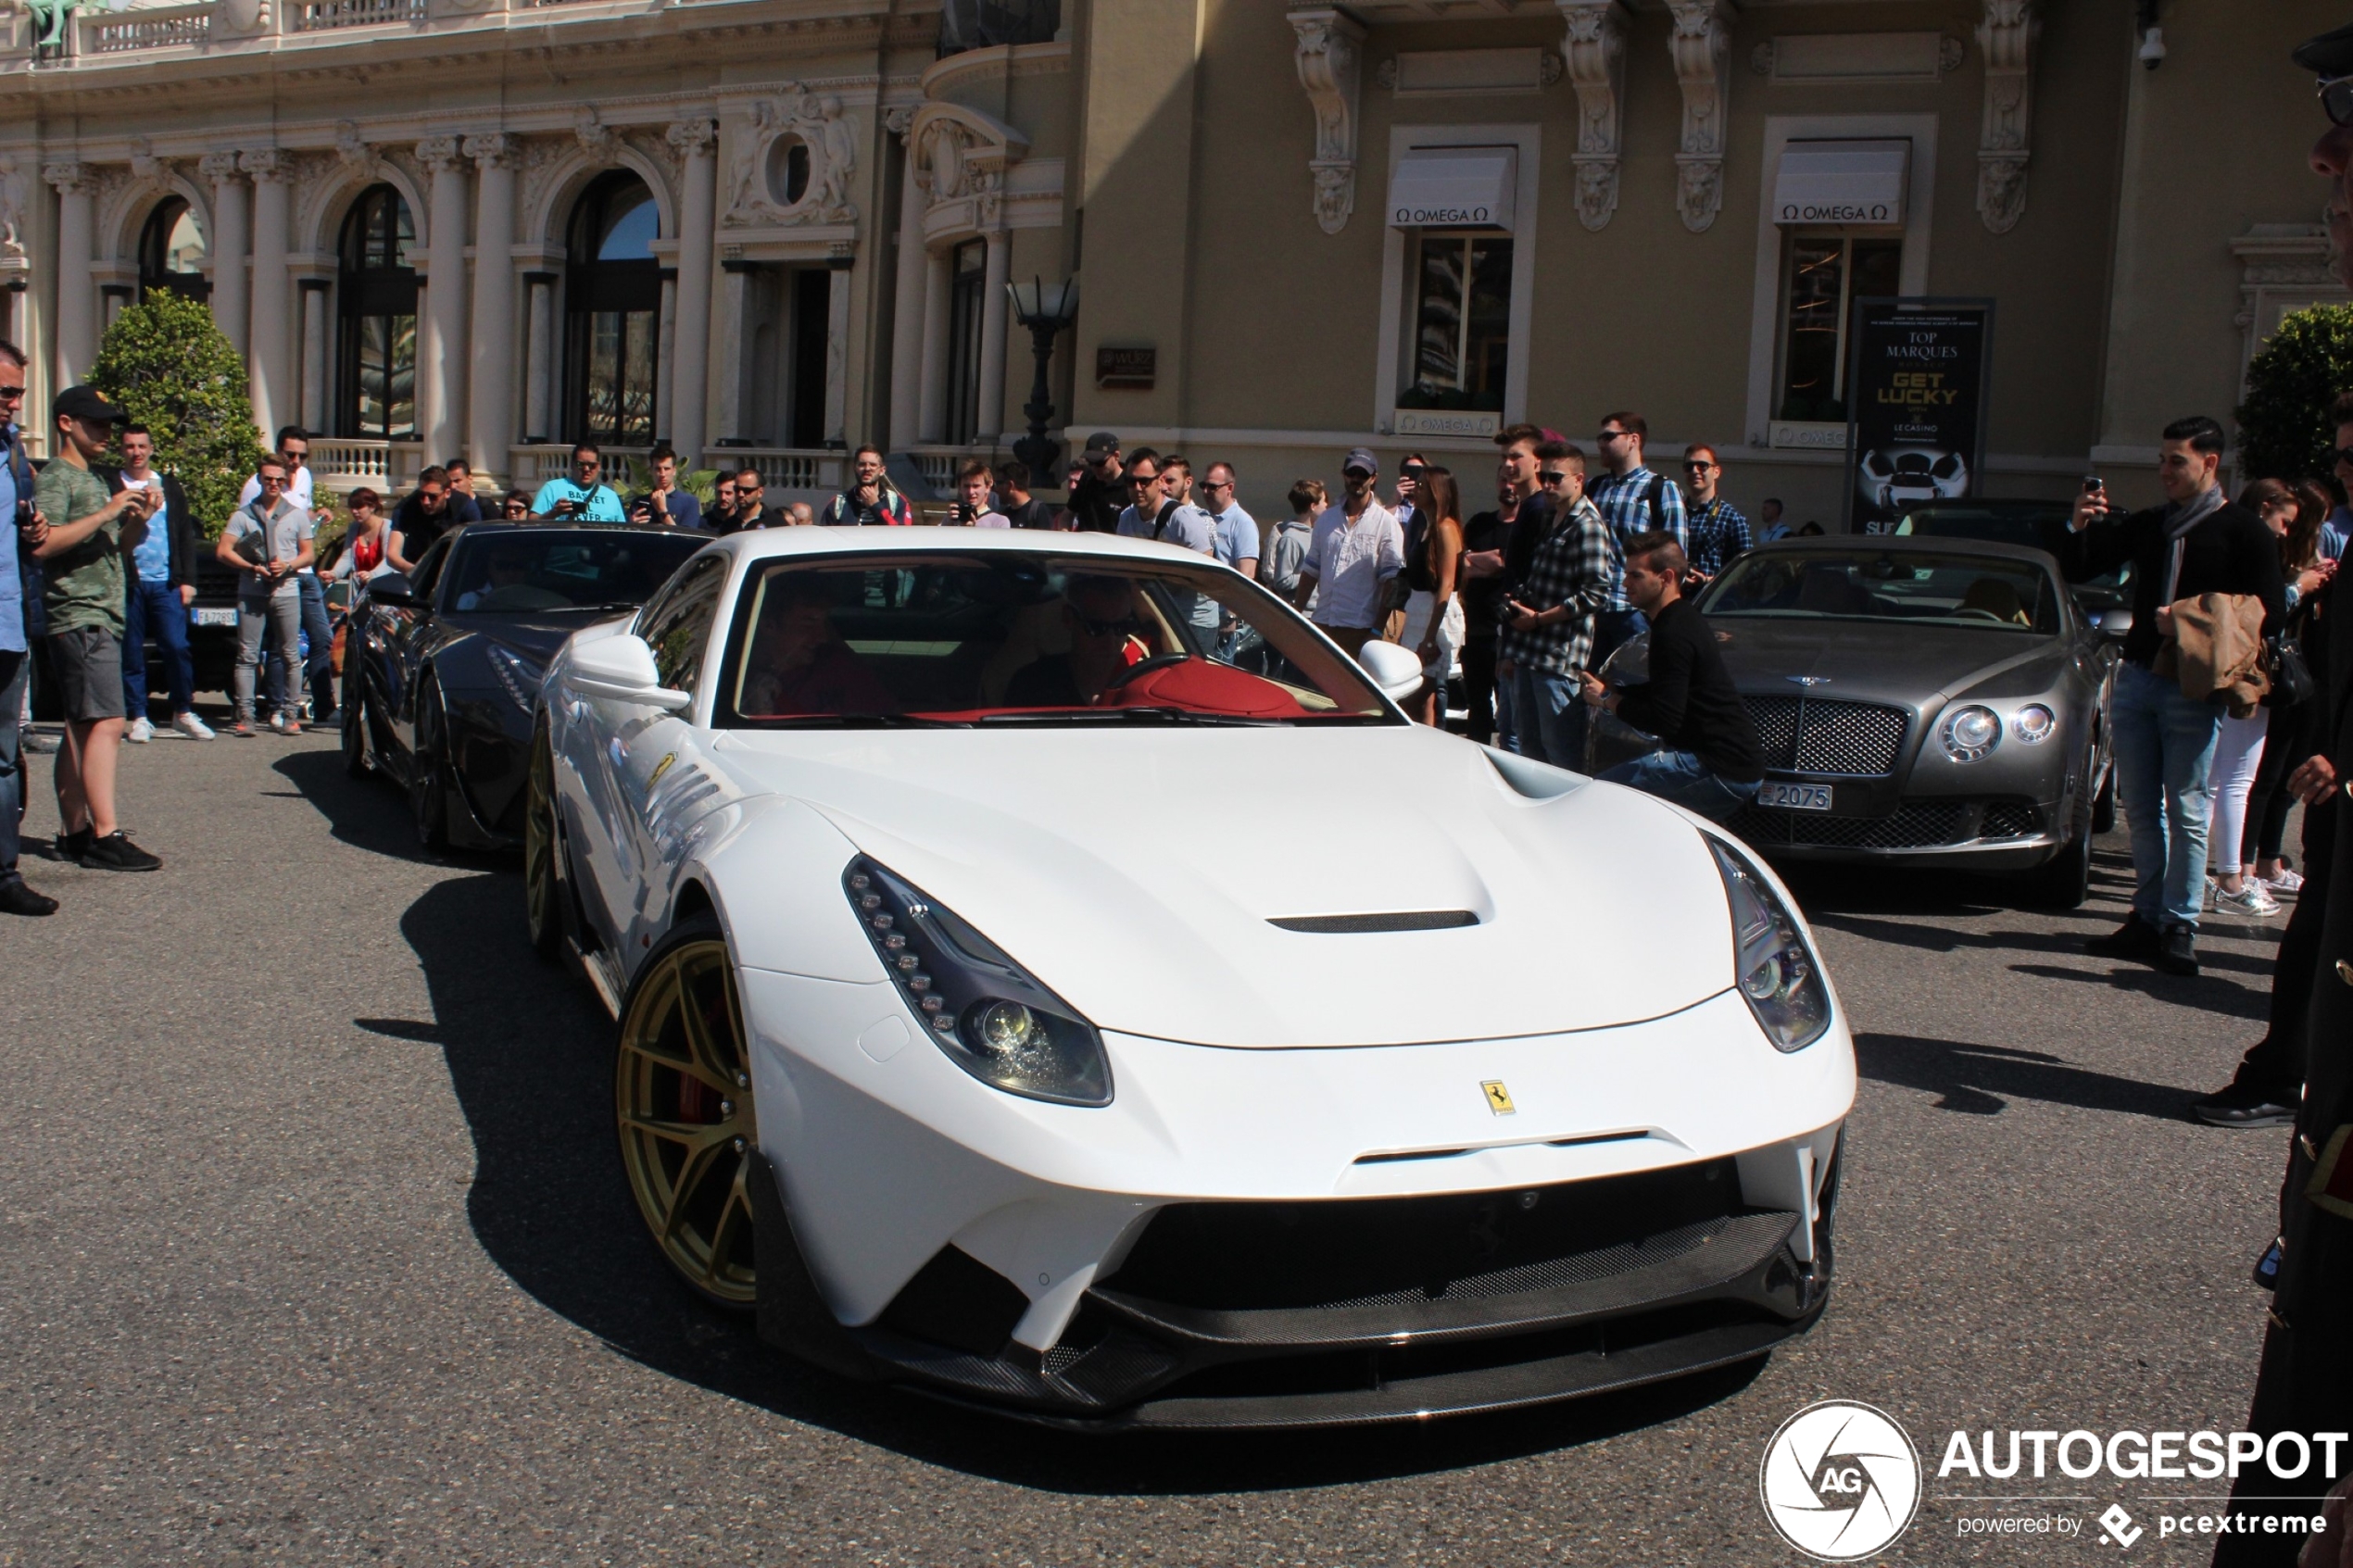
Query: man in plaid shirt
x=1718, y=533
x=1548, y=621
x=1632, y=499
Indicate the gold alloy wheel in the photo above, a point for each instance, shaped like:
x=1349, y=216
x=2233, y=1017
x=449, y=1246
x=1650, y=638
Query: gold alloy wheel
x=543, y=913
x=682, y=1090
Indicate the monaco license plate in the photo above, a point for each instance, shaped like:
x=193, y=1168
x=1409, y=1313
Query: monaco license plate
x=1794, y=797
x=210, y=615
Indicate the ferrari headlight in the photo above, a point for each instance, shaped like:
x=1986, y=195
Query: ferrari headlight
x=2033, y=724
x=518, y=677
x=992, y=1017
x=1778, y=976
x=1969, y=732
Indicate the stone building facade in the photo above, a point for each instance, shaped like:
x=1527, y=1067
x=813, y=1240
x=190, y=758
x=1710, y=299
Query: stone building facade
x=773, y=229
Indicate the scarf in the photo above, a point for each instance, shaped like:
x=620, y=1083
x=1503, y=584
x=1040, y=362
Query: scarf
x=2180, y=518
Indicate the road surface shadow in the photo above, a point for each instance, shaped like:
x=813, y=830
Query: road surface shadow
x=366, y=813
x=527, y=1049
x=1825, y=890
x=1982, y=1080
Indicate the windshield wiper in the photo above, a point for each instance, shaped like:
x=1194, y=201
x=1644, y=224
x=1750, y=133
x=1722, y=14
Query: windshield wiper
x=1127, y=715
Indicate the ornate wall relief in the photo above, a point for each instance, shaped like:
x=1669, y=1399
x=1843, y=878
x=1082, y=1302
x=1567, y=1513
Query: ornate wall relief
x=1702, y=43
x=2006, y=38
x=1595, y=50
x=794, y=163
x=1330, y=60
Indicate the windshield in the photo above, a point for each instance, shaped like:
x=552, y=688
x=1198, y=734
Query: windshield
x=1867, y=584
x=518, y=571
x=2037, y=528
x=1002, y=638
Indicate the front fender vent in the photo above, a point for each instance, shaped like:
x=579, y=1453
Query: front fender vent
x=1395, y=919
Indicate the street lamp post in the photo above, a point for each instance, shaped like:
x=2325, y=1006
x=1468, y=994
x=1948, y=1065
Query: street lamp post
x=1045, y=308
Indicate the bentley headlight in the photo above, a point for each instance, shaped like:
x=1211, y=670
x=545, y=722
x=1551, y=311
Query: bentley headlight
x=1778, y=976
x=2033, y=724
x=518, y=677
x=1969, y=733
x=993, y=1018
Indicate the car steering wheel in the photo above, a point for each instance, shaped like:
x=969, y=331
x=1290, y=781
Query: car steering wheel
x=1141, y=667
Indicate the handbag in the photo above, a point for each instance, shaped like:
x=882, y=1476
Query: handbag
x=2291, y=677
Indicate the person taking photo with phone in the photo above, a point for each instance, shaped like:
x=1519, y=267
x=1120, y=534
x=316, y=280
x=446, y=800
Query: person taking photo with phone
x=579, y=497
x=82, y=595
x=871, y=500
x=19, y=540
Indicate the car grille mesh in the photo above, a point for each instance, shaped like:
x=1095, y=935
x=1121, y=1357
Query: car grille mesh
x=1918, y=824
x=1814, y=735
x=2009, y=819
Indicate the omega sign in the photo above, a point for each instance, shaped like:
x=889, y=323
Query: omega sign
x=1837, y=212
x=1407, y=217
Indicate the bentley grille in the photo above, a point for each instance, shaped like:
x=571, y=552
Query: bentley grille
x=1808, y=735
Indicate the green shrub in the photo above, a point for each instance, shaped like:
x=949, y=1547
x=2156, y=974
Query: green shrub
x=167, y=366
x=2283, y=425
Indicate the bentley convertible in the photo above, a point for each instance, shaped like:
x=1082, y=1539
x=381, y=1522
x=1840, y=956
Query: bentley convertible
x=1022, y=1002
x=441, y=671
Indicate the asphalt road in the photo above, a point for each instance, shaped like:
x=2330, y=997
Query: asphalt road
x=313, y=1249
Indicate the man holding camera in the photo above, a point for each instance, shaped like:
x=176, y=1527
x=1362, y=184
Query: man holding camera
x=15, y=655
x=579, y=498
x=871, y=500
x=666, y=505
x=83, y=596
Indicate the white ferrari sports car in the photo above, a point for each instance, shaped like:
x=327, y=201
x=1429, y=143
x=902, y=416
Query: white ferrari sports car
x=1052, y=975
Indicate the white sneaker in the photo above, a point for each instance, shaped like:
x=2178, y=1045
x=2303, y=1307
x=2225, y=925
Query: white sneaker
x=193, y=727
x=2252, y=898
x=141, y=732
x=278, y=722
x=2287, y=882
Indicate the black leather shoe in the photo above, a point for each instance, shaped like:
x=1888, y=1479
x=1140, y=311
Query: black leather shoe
x=2235, y=1107
x=16, y=898
x=2136, y=941
x=2177, y=952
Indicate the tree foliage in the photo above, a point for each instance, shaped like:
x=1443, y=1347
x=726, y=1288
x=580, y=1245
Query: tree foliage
x=165, y=364
x=2283, y=425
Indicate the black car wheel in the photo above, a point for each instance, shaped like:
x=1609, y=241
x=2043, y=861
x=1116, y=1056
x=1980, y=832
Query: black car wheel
x=2065, y=881
x=358, y=759
x=542, y=848
x=428, y=789
x=2103, y=803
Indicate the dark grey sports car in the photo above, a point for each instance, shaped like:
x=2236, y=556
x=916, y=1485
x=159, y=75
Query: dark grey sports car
x=1923, y=702
x=441, y=670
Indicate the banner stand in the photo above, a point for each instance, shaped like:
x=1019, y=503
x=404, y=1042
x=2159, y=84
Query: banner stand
x=1917, y=377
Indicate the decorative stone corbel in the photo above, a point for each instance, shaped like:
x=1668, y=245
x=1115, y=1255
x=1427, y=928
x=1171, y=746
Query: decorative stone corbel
x=354, y=154
x=596, y=137
x=1702, y=43
x=218, y=168
x=1594, y=48
x=268, y=165
x=2005, y=37
x=145, y=167
x=70, y=179
x=1330, y=57
x=899, y=120
x=493, y=149
x=438, y=153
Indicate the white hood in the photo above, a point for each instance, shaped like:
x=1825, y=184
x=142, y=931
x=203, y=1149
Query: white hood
x=1134, y=872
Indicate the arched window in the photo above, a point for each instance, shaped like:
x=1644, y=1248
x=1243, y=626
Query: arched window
x=172, y=252
x=376, y=289
x=612, y=292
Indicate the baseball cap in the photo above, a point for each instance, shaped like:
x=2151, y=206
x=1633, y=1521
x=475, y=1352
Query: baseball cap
x=82, y=403
x=1360, y=457
x=1101, y=443
x=2331, y=54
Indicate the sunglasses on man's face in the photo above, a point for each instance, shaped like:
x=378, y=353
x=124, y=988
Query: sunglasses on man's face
x=1138, y=481
x=2336, y=99
x=2344, y=455
x=1697, y=468
x=1606, y=437
x=12, y=393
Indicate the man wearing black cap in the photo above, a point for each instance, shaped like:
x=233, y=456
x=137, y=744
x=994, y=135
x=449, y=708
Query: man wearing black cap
x=82, y=598
x=1101, y=496
x=2305, y=1385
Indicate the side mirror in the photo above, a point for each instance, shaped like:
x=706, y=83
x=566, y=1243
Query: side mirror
x=2116, y=622
x=1394, y=669
x=621, y=667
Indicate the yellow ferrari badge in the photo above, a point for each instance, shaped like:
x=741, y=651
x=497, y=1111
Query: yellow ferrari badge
x=1499, y=1099
x=660, y=768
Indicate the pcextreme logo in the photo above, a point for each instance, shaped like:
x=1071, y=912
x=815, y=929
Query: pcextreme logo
x=1841, y=1481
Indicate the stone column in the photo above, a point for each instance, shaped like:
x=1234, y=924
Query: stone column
x=77, y=335
x=441, y=334
x=229, y=287
x=907, y=309
x=735, y=311
x=934, y=424
x=666, y=372
x=697, y=220
x=837, y=354
x=540, y=401
x=314, y=353
x=490, y=433
x=269, y=368
x=990, y=417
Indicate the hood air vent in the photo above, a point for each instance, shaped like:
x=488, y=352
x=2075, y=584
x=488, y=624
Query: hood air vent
x=1399, y=920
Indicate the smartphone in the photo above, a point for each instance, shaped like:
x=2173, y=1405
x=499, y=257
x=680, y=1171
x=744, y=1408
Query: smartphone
x=2094, y=484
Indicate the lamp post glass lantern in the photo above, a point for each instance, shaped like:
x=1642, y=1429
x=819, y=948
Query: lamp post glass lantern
x=1045, y=308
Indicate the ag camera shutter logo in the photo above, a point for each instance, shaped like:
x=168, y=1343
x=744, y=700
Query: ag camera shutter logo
x=1841, y=1481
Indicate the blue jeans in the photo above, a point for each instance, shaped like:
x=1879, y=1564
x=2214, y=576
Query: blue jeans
x=157, y=606
x=2164, y=752
x=1678, y=776
x=13, y=670
x=319, y=665
x=1548, y=716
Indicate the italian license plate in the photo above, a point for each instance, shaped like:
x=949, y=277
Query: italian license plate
x=210, y=615
x=1794, y=797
